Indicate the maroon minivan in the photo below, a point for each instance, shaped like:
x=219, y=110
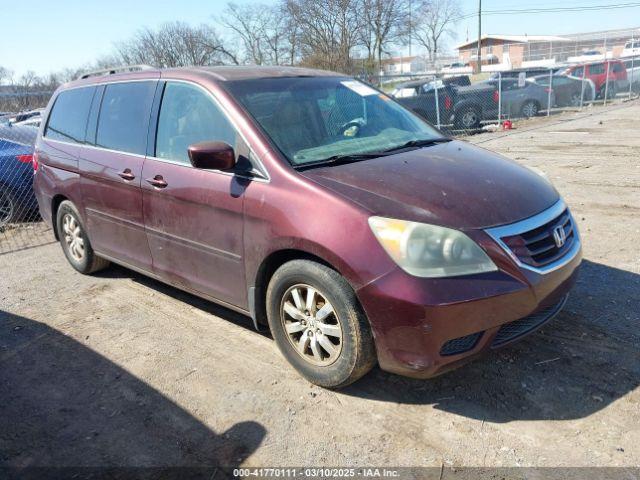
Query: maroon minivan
x=311, y=202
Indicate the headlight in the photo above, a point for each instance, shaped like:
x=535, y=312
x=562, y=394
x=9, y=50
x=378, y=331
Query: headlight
x=430, y=251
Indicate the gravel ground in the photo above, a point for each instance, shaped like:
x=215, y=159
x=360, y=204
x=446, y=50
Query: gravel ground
x=117, y=369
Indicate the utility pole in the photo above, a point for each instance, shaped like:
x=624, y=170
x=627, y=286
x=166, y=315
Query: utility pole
x=410, y=25
x=479, y=65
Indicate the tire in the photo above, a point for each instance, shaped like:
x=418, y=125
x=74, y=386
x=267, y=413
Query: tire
x=611, y=93
x=574, y=101
x=75, y=242
x=468, y=119
x=8, y=207
x=343, y=324
x=530, y=109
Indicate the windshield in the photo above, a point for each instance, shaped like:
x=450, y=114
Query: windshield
x=311, y=119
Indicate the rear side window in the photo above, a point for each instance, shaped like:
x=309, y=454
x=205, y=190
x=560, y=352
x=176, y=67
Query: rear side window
x=617, y=67
x=187, y=116
x=596, y=69
x=124, y=117
x=68, y=118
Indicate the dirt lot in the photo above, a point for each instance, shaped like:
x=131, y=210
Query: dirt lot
x=117, y=369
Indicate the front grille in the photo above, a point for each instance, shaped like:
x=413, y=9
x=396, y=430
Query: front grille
x=512, y=330
x=538, y=247
x=460, y=345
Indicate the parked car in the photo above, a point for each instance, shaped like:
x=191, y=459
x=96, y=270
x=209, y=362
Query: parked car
x=413, y=88
x=568, y=90
x=30, y=122
x=632, y=65
x=528, y=72
x=460, y=107
x=419, y=97
x=313, y=203
x=597, y=73
x=522, y=101
x=631, y=49
x=22, y=116
x=17, y=200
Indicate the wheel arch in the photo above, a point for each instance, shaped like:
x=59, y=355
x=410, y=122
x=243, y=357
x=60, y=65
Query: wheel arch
x=266, y=269
x=55, y=204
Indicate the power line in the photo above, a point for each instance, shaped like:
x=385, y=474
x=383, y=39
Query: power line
x=616, y=6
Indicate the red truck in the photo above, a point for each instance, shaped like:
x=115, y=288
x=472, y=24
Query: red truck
x=598, y=72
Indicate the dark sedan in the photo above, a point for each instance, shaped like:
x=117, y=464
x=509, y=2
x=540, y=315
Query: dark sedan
x=17, y=201
x=568, y=89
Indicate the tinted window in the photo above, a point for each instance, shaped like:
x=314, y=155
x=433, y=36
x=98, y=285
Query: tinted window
x=578, y=72
x=68, y=118
x=617, y=67
x=596, y=69
x=509, y=85
x=188, y=115
x=124, y=116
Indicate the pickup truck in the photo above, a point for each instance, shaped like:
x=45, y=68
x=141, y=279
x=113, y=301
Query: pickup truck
x=460, y=107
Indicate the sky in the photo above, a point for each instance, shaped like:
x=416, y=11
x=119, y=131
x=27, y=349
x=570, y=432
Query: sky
x=44, y=36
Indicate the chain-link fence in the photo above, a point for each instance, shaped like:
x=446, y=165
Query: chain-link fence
x=20, y=223
x=467, y=104
x=517, y=77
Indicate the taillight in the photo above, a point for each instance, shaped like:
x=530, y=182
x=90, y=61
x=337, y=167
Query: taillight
x=496, y=96
x=25, y=158
x=34, y=161
x=447, y=102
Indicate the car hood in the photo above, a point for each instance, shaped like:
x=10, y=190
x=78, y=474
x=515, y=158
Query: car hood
x=452, y=184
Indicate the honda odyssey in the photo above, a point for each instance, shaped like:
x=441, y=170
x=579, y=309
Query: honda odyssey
x=311, y=202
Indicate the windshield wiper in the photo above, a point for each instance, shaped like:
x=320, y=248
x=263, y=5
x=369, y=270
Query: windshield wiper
x=341, y=159
x=356, y=157
x=418, y=144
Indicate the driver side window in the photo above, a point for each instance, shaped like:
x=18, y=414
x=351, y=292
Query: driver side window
x=188, y=115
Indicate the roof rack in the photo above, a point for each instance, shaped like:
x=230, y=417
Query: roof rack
x=114, y=70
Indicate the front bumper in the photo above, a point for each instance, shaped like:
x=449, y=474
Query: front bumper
x=424, y=327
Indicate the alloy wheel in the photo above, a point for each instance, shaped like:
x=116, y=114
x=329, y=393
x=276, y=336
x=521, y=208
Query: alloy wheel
x=311, y=325
x=6, y=208
x=73, y=237
x=469, y=119
x=575, y=100
x=530, y=109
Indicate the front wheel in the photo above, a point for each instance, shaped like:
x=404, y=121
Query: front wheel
x=8, y=207
x=318, y=324
x=75, y=242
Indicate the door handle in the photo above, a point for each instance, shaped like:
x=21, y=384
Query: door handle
x=157, y=181
x=127, y=174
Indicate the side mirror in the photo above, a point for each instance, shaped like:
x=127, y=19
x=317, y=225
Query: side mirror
x=212, y=155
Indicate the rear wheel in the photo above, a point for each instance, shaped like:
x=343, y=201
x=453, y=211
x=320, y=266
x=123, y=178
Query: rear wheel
x=468, y=118
x=530, y=109
x=318, y=324
x=75, y=242
x=575, y=100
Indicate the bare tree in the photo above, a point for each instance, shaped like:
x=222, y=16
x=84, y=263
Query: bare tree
x=174, y=44
x=385, y=23
x=327, y=31
x=261, y=29
x=433, y=21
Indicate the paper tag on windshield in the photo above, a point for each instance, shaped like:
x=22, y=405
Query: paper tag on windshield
x=360, y=88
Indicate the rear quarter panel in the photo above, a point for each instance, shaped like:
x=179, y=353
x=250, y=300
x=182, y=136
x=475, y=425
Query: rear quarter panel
x=57, y=175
